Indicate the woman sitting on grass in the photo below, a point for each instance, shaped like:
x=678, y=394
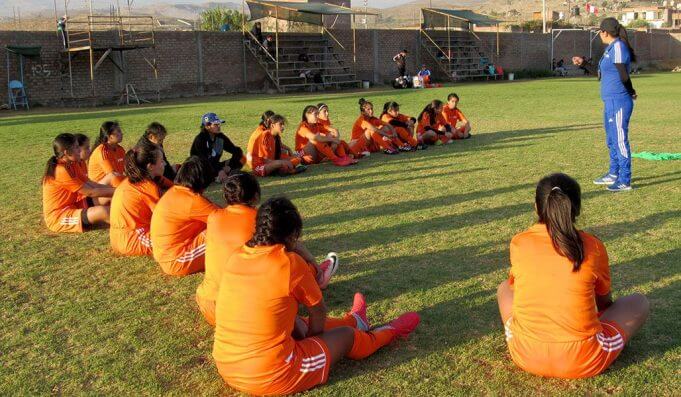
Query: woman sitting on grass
x=433, y=129
x=71, y=202
x=256, y=309
x=266, y=153
x=156, y=133
x=324, y=120
x=369, y=134
x=107, y=159
x=314, y=140
x=83, y=142
x=453, y=116
x=403, y=124
x=230, y=228
x=178, y=223
x=556, y=306
x=135, y=199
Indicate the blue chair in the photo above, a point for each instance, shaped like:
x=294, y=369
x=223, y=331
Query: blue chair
x=17, y=95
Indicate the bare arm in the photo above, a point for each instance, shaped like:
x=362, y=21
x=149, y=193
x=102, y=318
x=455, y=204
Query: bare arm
x=317, y=319
x=92, y=189
x=603, y=301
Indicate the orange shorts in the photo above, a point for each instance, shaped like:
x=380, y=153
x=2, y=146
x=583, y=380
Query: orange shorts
x=70, y=219
x=571, y=360
x=207, y=308
x=192, y=259
x=131, y=243
x=307, y=366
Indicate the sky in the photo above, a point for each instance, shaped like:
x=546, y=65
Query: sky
x=28, y=6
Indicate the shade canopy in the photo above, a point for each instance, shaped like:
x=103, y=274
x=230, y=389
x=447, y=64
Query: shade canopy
x=443, y=18
x=27, y=51
x=297, y=11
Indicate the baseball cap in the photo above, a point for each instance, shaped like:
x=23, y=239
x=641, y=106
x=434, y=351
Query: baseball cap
x=211, y=118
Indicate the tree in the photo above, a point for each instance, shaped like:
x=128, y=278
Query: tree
x=213, y=19
x=638, y=23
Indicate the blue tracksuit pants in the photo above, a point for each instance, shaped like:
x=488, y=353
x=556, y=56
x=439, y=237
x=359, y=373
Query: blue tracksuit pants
x=616, y=119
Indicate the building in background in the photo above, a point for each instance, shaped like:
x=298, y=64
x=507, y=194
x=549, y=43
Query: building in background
x=668, y=16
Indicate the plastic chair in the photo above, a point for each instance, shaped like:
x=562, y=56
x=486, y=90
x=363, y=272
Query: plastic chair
x=17, y=95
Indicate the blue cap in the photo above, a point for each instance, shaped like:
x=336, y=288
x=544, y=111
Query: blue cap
x=211, y=118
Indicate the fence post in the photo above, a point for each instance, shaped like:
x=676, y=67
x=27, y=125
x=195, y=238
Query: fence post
x=199, y=62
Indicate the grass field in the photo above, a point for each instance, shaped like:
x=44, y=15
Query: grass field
x=426, y=231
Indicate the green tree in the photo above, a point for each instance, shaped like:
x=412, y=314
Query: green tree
x=638, y=23
x=213, y=19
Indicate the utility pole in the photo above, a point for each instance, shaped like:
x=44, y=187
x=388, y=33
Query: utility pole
x=543, y=15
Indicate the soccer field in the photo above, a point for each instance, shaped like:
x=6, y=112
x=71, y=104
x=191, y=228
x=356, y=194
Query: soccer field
x=425, y=231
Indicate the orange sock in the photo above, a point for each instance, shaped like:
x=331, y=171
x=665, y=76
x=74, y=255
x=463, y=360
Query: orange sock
x=359, y=146
x=366, y=343
x=405, y=136
x=333, y=322
x=325, y=150
x=378, y=140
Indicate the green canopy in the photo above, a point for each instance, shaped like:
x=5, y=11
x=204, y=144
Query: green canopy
x=444, y=18
x=27, y=51
x=297, y=11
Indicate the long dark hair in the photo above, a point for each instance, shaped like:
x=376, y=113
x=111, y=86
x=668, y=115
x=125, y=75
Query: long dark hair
x=81, y=139
x=106, y=129
x=362, y=103
x=308, y=109
x=60, y=144
x=452, y=95
x=195, y=173
x=265, y=119
x=242, y=188
x=559, y=200
x=138, y=158
x=388, y=106
x=430, y=109
x=277, y=222
x=615, y=29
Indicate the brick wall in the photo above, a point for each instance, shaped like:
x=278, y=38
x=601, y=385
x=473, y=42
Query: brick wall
x=209, y=63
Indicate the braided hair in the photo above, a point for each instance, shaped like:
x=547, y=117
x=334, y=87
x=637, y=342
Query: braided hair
x=241, y=188
x=277, y=222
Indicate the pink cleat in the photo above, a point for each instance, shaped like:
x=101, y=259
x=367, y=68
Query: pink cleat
x=359, y=311
x=404, y=324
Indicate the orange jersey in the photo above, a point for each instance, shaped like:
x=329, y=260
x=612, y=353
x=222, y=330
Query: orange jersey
x=306, y=128
x=256, y=308
x=180, y=215
x=104, y=160
x=324, y=123
x=362, y=124
x=228, y=229
x=131, y=208
x=452, y=116
x=426, y=122
x=261, y=147
x=386, y=118
x=551, y=302
x=61, y=197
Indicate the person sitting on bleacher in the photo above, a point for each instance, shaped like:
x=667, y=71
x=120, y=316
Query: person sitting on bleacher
x=257, y=32
x=268, y=43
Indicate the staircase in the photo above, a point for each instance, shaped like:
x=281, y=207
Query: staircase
x=467, y=60
x=335, y=69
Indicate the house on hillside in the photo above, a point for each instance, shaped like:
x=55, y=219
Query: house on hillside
x=655, y=16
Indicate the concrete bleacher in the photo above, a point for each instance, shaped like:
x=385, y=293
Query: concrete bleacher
x=467, y=59
x=335, y=69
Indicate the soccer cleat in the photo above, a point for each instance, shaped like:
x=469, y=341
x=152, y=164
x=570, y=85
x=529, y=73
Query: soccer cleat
x=468, y=136
x=299, y=168
x=328, y=268
x=359, y=311
x=438, y=142
x=421, y=146
x=406, y=148
x=404, y=324
x=342, y=161
x=391, y=151
x=607, y=179
x=366, y=154
x=619, y=187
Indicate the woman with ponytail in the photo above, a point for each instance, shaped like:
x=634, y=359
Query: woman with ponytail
x=403, y=124
x=324, y=120
x=156, y=133
x=314, y=141
x=106, y=165
x=266, y=153
x=556, y=306
x=263, y=284
x=135, y=199
x=432, y=126
x=618, y=97
x=71, y=201
x=370, y=134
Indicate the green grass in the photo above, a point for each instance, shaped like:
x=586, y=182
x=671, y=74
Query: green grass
x=425, y=231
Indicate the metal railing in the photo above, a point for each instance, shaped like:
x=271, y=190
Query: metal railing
x=132, y=30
